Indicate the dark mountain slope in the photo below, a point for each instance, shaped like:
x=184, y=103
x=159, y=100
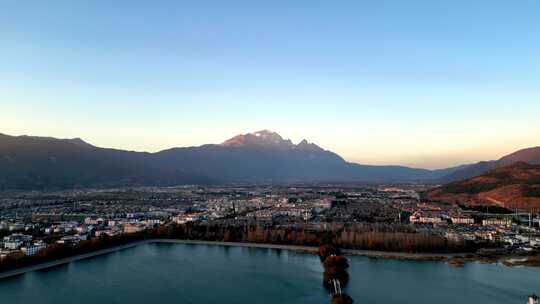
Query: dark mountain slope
x=46, y=163
x=529, y=155
x=468, y=171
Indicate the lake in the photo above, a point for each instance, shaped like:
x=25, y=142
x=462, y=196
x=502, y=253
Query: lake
x=182, y=273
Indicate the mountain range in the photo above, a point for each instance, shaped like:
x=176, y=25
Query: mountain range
x=28, y=162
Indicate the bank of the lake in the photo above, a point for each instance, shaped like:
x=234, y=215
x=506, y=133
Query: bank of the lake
x=455, y=259
x=306, y=249
x=203, y=273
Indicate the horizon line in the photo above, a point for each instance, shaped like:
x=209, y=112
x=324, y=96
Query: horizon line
x=204, y=144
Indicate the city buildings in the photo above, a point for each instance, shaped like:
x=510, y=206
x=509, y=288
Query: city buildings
x=30, y=222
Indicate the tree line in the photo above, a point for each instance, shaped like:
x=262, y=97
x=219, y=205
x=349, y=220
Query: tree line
x=383, y=237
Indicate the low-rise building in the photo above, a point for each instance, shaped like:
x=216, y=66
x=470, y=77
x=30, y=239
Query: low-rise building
x=16, y=227
x=32, y=249
x=184, y=218
x=496, y=222
x=69, y=239
x=133, y=227
x=462, y=220
x=16, y=240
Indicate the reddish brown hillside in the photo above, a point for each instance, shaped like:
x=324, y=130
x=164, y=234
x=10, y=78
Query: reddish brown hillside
x=513, y=186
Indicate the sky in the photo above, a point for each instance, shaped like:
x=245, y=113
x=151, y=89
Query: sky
x=420, y=83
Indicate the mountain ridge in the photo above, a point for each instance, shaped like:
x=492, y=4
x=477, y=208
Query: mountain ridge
x=259, y=157
x=512, y=186
x=528, y=155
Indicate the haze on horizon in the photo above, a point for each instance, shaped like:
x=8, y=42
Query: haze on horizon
x=421, y=83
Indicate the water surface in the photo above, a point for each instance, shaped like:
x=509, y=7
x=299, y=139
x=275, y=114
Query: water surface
x=181, y=273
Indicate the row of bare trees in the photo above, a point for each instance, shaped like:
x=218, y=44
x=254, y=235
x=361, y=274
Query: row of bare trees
x=352, y=236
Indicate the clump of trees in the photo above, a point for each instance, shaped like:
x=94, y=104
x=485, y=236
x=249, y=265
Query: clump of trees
x=342, y=299
x=327, y=250
x=530, y=190
x=336, y=261
x=469, y=188
x=335, y=273
x=335, y=269
x=487, y=208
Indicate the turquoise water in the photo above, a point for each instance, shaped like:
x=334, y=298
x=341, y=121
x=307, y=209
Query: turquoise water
x=179, y=273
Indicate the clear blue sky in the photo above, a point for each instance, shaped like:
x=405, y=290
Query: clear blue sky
x=422, y=83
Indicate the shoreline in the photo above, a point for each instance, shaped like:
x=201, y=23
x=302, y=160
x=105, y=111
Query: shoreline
x=23, y=270
x=409, y=256
x=297, y=248
x=315, y=250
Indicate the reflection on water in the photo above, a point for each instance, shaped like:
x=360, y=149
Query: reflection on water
x=182, y=273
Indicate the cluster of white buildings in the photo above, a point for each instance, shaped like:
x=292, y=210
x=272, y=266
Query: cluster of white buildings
x=457, y=225
x=265, y=208
x=297, y=209
x=189, y=217
x=18, y=242
x=68, y=232
x=131, y=224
